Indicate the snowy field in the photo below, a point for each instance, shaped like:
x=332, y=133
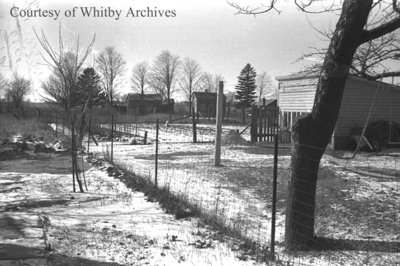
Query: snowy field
x=357, y=199
x=107, y=224
x=357, y=204
x=177, y=133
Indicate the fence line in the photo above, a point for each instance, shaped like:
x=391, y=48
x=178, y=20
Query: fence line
x=240, y=194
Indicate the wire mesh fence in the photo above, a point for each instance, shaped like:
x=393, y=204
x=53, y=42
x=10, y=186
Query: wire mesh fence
x=357, y=200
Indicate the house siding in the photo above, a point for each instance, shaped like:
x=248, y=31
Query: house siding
x=297, y=95
x=356, y=104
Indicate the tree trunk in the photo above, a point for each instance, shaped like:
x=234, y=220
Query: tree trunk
x=243, y=114
x=141, y=106
x=74, y=152
x=312, y=134
x=81, y=130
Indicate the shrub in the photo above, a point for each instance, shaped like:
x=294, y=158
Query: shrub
x=379, y=131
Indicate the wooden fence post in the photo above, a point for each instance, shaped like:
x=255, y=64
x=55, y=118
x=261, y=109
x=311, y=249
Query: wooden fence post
x=218, y=131
x=253, y=127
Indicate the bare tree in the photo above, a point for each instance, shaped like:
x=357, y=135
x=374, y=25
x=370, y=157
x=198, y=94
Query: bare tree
x=140, y=77
x=312, y=133
x=3, y=88
x=371, y=59
x=3, y=84
x=65, y=94
x=140, y=81
x=217, y=79
x=111, y=66
x=62, y=89
x=191, y=79
x=230, y=101
x=210, y=82
x=164, y=74
x=17, y=90
x=265, y=86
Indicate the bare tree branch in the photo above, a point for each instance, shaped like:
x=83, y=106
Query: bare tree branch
x=390, y=22
x=164, y=74
x=303, y=6
x=111, y=66
x=191, y=79
x=140, y=77
x=247, y=10
x=370, y=59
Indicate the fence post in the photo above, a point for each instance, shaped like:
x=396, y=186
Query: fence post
x=112, y=137
x=274, y=187
x=145, y=138
x=220, y=97
x=194, y=126
x=253, y=127
x=260, y=122
x=156, y=163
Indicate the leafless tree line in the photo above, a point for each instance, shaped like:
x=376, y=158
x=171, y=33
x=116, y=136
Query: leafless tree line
x=169, y=74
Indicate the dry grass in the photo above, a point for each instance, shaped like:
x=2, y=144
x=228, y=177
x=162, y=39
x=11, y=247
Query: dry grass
x=28, y=129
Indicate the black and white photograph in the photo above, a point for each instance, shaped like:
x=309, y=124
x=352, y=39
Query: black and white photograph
x=196, y=133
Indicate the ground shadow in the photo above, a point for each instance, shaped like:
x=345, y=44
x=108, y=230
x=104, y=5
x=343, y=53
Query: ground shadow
x=43, y=163
x=172, y=155
x=30, y=204
x=11, y=228
x=263, y=149
x=325, y=244
x=17, y=254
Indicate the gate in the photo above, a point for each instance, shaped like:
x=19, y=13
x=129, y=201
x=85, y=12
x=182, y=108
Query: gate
x=264, y=123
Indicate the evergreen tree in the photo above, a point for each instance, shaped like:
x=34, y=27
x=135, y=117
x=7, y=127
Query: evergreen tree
x=246, y=89
x=89, y=88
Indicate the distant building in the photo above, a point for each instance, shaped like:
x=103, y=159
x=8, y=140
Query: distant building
x=120, y=107
x=269, y=103
x=205, y=104
x=296, y=96
x=147, y=103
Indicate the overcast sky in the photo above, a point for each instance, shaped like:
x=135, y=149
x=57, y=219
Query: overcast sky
x=208, y=31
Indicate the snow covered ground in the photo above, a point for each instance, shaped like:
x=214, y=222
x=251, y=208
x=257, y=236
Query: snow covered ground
x=357, y=199
x=109, y=223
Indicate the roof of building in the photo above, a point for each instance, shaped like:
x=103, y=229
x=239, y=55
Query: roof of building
x=210, y=96
x=267, y=102
x=146, y=97
x=307, y=74
x=315, y=74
